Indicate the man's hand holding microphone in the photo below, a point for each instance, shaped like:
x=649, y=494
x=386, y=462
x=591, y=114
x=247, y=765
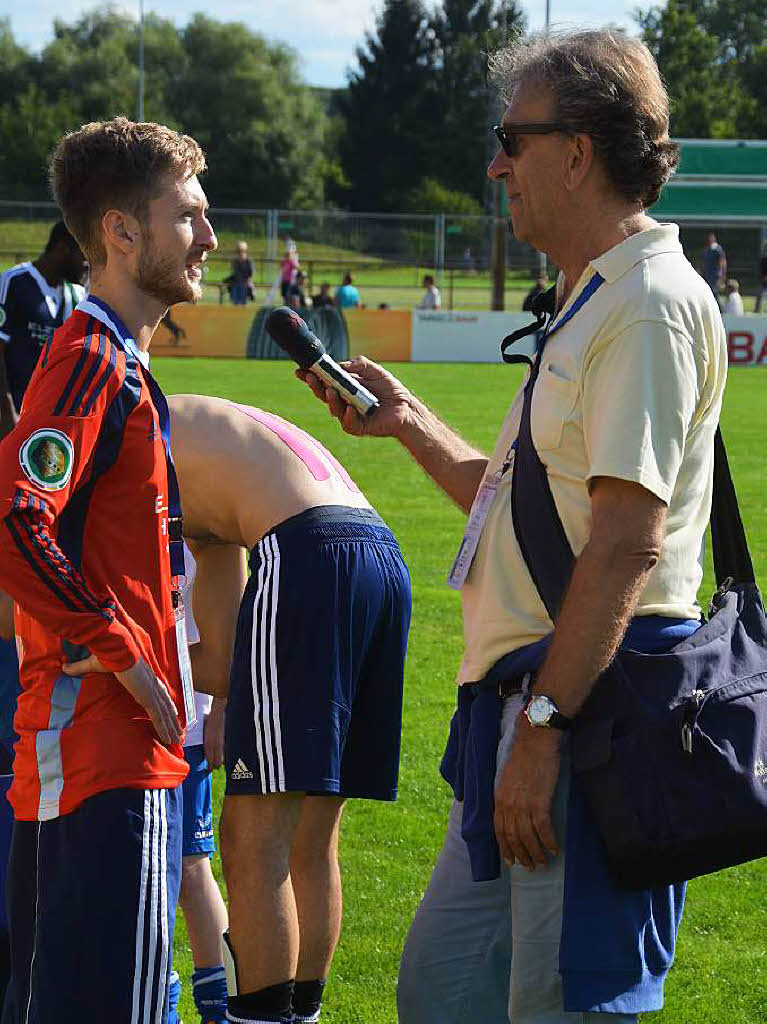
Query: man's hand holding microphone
x=368, y=401
x=364, y=398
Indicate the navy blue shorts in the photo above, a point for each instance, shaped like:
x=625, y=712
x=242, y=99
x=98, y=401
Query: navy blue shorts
x=198, y=835
x=92, y=907
x=6, y=832
x=315, y=696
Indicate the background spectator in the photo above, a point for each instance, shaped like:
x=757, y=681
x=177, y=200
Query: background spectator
x=177, y=332
x=762, y=279
x=540, y=286
x=431, y=298
x=288, y=267
x=733, y=303
x=714, y=264
x=296, y=297
x=323, y=297
x=347, y=296
x=241, y=278
x=35, y=299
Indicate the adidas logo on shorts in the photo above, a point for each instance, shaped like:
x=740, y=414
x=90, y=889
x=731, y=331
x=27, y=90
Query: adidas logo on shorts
x=240, y=772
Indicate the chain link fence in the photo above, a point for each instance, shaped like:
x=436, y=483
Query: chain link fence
x=387, y=254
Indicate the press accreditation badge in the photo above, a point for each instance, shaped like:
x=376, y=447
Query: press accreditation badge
x=468, y=546
x=185, y=665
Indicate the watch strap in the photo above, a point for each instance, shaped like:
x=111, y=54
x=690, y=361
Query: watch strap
x=556, y=719
x=560, y=721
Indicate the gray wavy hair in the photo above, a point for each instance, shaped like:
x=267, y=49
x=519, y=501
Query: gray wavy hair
x=607, y=85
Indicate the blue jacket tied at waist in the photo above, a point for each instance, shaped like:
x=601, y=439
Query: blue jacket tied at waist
x=617, y=944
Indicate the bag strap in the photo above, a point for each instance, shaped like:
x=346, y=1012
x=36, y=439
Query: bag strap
x=542, y=307
x=541, y=536
x=537, y=526
x=728, y=536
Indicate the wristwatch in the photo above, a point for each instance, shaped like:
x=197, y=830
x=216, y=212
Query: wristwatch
x=541, y=711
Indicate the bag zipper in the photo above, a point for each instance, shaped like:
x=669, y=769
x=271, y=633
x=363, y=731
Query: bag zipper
x=694, y=706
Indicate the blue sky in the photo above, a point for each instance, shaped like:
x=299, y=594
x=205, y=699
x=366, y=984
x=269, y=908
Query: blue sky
x=324, y=32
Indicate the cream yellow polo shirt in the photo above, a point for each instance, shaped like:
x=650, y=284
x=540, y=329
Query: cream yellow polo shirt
x=630, y=387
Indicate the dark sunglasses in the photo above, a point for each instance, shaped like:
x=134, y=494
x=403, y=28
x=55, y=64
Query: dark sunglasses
x=507, y=133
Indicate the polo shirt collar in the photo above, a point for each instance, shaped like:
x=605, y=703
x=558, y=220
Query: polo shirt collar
x=617, y=261
x=101, y=311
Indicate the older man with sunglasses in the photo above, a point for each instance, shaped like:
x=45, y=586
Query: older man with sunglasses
x=626, y=401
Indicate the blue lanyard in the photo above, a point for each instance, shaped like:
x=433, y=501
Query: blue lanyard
x=596, y=281
x=160, y=403
x=175, y=522
x=543, y=336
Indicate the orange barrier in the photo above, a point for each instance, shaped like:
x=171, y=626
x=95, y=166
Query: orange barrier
x=210, y=331
x=380, y=334
x=402, y=336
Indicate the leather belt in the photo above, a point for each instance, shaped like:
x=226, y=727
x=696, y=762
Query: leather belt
x=516, y=684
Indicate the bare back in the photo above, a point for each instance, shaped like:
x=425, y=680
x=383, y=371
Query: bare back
x=242, y=471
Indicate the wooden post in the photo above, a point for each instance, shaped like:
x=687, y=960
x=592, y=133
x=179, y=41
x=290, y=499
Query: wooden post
x=499, y=247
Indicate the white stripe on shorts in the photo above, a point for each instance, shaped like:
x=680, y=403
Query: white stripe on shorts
x=150, y=987
x=273, y=667
x=163, y=966
x=263, y=668
x=266, y=689
x=153, y=905
x=145, y=869
x=254, y=667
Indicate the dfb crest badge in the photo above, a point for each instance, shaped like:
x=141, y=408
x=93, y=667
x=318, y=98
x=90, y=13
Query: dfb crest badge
x=47, y=458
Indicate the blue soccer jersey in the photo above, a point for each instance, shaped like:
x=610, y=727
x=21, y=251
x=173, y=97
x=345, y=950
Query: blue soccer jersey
x=30, y=311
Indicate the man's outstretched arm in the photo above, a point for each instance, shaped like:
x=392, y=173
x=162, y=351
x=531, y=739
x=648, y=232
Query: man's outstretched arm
x=452, y=463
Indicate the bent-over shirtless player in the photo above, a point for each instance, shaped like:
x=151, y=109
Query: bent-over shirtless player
x=315, y=699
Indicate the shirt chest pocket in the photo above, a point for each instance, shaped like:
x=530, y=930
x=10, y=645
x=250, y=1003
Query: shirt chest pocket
x=554, y=398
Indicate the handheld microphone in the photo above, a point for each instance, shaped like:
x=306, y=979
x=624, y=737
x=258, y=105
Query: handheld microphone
x=293, y=336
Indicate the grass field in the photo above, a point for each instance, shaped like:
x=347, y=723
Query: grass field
x=387, y=851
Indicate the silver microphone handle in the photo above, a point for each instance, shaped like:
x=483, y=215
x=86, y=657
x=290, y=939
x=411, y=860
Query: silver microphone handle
x=364, y=401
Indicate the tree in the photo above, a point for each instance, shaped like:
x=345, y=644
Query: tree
x=430, y=196
x=418, y=106
x=753, y=74
x=15, y=62
x=713, y=57
x=392, y=109
x=262, y=130
x=94, y=62
x=30, y=127
x=466, y=31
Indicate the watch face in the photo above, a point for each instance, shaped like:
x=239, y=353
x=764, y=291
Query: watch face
x=539, y=710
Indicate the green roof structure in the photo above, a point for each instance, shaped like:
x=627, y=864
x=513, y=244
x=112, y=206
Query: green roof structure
x=718, y=181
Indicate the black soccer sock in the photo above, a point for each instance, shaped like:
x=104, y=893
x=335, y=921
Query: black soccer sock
x=307, y=1000
x=267, y=1004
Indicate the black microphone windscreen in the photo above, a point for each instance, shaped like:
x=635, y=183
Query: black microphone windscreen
x=293, y=336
